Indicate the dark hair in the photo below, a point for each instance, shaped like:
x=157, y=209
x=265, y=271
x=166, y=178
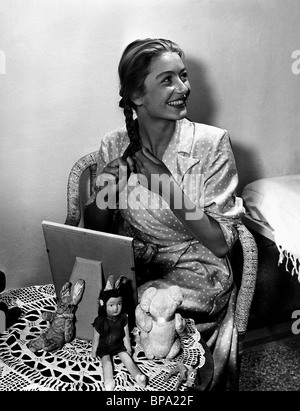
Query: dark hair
x=105, y=295
x=133, y=70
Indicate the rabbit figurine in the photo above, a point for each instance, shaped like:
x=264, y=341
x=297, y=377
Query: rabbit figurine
x=61, y=329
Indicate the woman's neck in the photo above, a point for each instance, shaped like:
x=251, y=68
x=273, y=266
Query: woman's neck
x=156, y=135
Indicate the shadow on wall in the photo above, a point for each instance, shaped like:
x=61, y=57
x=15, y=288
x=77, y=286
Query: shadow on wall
x=202, y=108
x=247, y=167
x=201, y=105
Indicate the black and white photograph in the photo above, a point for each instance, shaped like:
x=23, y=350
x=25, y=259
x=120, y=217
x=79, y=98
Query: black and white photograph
x=150, y=198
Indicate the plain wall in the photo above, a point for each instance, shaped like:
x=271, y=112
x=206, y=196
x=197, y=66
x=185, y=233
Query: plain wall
x=59, y=95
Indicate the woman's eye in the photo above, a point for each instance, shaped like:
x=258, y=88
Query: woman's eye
x=167, y=80
x=184, y=77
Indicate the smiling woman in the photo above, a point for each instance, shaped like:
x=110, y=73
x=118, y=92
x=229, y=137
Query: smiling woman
x=166, y=91
x=186, y=227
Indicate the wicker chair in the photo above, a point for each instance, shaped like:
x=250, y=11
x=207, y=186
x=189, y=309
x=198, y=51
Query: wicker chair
x=246, y=280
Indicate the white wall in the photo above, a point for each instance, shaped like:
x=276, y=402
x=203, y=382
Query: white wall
x=59, y=95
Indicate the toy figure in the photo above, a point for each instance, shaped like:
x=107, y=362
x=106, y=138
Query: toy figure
x=62, y=328
x=111, y=334
x=8, y=316
x=185, y=372
x=160, y=326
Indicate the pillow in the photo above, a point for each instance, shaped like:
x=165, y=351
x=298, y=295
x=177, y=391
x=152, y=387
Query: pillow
x=275, y=197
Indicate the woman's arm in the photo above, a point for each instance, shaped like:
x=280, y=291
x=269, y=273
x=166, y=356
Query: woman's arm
x=201, y=226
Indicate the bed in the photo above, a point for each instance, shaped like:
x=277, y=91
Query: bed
x=273, y=210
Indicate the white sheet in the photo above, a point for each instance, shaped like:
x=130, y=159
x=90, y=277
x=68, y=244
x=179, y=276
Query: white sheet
x=277, y=201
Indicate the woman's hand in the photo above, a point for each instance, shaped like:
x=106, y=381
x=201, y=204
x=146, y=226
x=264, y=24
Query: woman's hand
x=115, y=172
x=153, y=169
x=112, y=181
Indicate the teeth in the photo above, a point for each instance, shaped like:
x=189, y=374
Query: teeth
x=176, y=103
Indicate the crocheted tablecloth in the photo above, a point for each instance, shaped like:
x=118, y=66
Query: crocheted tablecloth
x=73, y=368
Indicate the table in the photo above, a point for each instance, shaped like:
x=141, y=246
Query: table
x=72, y=368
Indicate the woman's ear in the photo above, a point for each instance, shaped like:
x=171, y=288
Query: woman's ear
x=137, y=99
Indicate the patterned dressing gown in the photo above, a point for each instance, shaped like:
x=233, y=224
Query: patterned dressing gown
x=200, y=159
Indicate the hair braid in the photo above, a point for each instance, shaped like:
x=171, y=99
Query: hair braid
x=133, y=133
x=130, y=124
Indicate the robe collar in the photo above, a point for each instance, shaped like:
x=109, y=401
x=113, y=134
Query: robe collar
x=178, y=155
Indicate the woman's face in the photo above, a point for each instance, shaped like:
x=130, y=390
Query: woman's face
x=114, y=306
x=167, y=88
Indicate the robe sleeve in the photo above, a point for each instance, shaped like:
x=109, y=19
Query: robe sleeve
x=221, y=180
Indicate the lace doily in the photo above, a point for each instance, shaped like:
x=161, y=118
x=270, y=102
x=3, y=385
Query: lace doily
x=72, y=368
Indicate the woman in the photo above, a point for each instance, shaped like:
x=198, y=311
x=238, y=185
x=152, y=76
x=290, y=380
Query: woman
x=174, y=183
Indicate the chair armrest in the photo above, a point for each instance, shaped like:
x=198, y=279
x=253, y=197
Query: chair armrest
x=248, y=281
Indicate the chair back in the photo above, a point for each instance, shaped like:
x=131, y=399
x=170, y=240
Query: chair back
x=89, y=161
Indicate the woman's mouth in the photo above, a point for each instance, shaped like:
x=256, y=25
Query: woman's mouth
x=177, y=103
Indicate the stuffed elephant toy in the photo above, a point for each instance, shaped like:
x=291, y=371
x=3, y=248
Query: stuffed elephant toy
x=159, y=324
x=62, y=322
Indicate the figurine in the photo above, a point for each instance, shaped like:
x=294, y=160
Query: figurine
x=111, y=334
x=185, y=375
x=159, y=324
x=62, y=322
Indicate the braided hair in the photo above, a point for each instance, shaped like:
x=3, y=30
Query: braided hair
x=133, y=69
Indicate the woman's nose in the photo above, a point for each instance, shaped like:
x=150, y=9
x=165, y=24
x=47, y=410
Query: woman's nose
x=183, y=87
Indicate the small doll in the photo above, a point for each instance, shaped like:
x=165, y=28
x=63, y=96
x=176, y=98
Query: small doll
x=111, y=334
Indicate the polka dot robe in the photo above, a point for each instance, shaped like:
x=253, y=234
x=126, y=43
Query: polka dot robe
x=201, y=161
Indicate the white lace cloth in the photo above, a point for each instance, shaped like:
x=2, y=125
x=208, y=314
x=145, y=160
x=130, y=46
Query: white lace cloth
x=72, y=368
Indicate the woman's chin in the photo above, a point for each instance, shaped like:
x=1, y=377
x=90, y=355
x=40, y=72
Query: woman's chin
x=179, y=113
